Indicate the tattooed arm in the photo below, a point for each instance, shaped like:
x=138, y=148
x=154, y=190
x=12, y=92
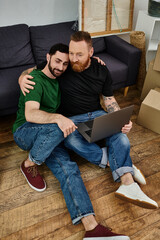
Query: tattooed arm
x=112, y=106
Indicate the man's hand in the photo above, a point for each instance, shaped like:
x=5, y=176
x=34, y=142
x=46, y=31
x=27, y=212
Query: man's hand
x=99, y=60
x=26, y=84
x=127, y=128
x=66, y=125
x=25, y=81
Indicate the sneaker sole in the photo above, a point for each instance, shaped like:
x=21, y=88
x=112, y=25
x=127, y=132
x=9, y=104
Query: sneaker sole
x=108, y=238
x=36, y=189
x=136, y=201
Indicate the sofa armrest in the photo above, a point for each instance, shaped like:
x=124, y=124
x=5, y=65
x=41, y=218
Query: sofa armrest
x=126, y=53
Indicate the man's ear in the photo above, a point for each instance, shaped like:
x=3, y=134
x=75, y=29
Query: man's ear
x=91, y=51
x=47, y=57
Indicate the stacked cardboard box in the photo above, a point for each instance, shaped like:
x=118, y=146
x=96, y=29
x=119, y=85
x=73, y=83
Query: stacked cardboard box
x=149, y=114
x=152, y=79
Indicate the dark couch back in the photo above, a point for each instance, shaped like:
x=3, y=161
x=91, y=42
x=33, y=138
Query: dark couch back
x=43, y=37
x=15, y=46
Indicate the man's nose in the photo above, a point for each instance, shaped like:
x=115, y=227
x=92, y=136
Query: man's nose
x=61, y=67
x=75, y=59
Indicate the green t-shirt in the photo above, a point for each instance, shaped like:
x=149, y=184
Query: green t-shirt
x=46, y=92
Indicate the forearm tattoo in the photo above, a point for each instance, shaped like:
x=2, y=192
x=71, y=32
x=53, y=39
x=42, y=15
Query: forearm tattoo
x=27, y=71
x=111, y=104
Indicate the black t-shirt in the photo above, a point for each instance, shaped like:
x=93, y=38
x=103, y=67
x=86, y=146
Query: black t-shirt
x=80, y=91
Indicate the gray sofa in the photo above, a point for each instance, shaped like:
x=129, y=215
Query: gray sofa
x=22, y=47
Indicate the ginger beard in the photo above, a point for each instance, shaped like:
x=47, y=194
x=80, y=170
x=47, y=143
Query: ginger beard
x=80, y=67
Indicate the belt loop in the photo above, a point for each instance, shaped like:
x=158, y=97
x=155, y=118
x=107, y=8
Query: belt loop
x=89, y=114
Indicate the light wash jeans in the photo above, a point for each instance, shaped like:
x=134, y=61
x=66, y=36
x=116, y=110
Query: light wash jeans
x=67, y=172
x=39, y=139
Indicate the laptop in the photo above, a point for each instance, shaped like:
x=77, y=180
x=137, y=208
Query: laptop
x=106, y=125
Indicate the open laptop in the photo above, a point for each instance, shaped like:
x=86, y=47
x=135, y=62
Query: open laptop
x=106, y=125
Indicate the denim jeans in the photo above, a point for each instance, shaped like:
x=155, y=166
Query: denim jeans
x=39, y=139
x=118, y=148
x=67, y=172
x=74, y=191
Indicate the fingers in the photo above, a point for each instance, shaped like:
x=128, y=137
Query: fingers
x=24, y=93
x=127, y=128
x=28, y=86
x=69, y=130
x=28, y=81
x=102, y=63
x=24, y=90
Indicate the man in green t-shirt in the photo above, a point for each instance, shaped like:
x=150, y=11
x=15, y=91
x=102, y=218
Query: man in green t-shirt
x=38, y=128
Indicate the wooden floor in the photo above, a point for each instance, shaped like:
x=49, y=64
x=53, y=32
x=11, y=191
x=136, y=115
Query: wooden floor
x=26, y=214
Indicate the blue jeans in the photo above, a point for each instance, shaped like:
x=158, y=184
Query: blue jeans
x=39, y=139
x=74, y=191
x=67, y=172
x=118, y=148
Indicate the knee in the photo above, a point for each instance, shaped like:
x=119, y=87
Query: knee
x=72, y=140
x=120, y=140
x=124, y=141
x=72, y=169
x=52, y=129
x=68, y=174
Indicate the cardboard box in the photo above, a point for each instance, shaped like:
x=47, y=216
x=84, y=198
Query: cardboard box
x=156, y=65
x=149, y=114
x=152, y=80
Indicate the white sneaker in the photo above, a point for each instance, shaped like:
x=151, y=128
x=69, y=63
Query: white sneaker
x=138, y=175
x=132, y=193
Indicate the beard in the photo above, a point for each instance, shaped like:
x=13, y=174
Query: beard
x=54, y=71
x=78, y=66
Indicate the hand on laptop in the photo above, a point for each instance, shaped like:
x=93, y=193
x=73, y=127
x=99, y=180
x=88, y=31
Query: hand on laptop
x=127, y=128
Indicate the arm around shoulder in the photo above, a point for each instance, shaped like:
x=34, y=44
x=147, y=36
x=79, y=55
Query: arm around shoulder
x=25, y=81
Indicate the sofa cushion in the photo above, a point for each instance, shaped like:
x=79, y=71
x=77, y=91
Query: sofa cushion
x=15, y=46
x=43, y=37
x=117, y=69
x=98, y=44
x=9, y=90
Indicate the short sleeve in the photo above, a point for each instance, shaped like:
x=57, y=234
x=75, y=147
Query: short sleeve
x=34, y=94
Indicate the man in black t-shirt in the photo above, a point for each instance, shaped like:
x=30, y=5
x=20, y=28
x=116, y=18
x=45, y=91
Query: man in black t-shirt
x=81, y=85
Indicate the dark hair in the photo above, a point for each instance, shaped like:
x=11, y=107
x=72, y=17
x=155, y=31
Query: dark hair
x=82, y=36
x=59, y=47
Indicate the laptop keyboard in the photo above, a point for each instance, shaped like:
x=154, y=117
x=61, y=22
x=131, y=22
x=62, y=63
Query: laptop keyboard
x=88, y=132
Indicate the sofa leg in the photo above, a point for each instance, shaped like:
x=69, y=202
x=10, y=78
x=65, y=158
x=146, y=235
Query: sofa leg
x=126, y=91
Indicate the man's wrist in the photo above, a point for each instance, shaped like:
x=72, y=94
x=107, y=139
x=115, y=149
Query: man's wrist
x=57, y=117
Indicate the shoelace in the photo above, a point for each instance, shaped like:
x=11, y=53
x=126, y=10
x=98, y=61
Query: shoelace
x=110, y=229
x=33, y=170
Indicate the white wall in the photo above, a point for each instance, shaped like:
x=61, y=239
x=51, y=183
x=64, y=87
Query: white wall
x=139, y=5
x=41, y=12
x=37, y=12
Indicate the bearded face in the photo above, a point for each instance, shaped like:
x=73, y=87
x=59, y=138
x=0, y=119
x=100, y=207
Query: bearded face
x=80, y=66
x=54, y=71
x=79, y=55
